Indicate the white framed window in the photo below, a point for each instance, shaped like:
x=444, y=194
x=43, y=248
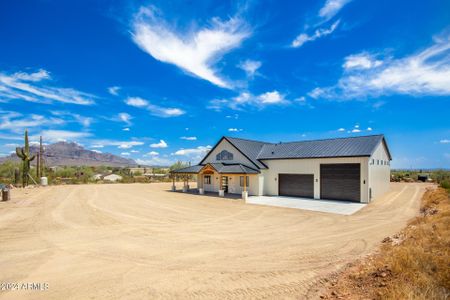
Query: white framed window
x=241, y=181
x=207, y=179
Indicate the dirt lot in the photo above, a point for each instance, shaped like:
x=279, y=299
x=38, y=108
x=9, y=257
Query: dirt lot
x=141, y=241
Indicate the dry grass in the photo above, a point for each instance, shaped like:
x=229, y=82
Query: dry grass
x=414, y=264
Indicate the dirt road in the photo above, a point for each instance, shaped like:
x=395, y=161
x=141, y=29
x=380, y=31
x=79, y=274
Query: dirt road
x=140, y=241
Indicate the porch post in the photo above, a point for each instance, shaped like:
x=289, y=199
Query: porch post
x=173, y=183
x=244, y=192
x=221, y=191
x=185, y=188
x=201, y=189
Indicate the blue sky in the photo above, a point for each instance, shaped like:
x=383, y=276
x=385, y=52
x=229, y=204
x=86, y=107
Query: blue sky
x=160, y=81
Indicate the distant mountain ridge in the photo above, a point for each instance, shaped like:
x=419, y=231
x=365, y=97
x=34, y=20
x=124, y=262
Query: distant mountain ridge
x=73, y=154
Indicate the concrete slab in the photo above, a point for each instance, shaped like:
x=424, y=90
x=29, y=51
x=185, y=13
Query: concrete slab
x=328, y=206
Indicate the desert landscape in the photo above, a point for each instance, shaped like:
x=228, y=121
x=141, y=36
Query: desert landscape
x=130, y=241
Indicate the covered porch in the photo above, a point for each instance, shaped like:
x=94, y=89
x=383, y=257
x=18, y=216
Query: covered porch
x=223, y=179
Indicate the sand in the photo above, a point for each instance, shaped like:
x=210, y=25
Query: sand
x=141, y=241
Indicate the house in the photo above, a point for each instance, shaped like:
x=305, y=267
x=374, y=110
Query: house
x=112, y=177
x=97, y=177
x=354, y=168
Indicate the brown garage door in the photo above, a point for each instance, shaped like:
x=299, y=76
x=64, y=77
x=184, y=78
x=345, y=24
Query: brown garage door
x=340, y=182
x=297, y=185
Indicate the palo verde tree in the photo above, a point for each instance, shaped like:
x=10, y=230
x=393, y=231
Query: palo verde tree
x=24, y=154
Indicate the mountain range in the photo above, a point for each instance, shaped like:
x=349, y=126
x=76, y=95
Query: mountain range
x=73, y=154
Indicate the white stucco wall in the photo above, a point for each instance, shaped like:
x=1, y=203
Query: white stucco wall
x=233, y=184
x=238, y=157
x=379, y=171
x=309, y=166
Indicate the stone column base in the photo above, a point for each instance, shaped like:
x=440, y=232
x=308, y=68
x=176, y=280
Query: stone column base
x=244, y=195
x=221, y=193
x=174, y=188
x=185, y=189
x=201, y=191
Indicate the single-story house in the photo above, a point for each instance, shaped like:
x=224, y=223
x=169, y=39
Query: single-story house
x=353, y=168
x=112, y=177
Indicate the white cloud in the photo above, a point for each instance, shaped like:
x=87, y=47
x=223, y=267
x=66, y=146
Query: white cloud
x=60, y=135
x=356, y=130
x=125, y=153
x=73, y=117
x=126, y=118
x=199, y=151
x=247, y=99
x=302, y=38
x=234, y=129
x=134, y=151
x=341, y=129
x=271, y=97
x=361, y=61
x=152, y=153
x=195, y=51
x=424, y=73
x=250, y=67
x=369, y=129
x=136, y=102
x=126, y=129
x=97, y=146
x=31, y=87
x=96, y=151
x=356, y=126
x=331, y=8
x=16, y=122
x=161, y=144
x=114, y=90
x=125, y=145
x=189, y=138
x=155, y=110
x=444, y=141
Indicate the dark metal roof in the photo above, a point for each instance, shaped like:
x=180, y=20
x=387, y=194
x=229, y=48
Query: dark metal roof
x=219, y=167
x=249, y=148
x=339, y=147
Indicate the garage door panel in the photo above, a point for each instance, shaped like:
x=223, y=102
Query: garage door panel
x=340, y=182
x=296, y=185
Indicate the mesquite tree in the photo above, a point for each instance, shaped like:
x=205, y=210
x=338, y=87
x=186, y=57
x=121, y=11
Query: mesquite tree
x=24, y=154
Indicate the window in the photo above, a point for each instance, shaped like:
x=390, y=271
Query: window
x=207, y=179
x=373, y=161
x=378, y=161
x=241, y=181
x=224, y=155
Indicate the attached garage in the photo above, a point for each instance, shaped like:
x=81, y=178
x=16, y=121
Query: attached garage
x=296, y=185
x=340, y=182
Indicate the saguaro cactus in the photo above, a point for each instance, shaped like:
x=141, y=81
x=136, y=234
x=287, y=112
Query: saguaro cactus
x=24, y=154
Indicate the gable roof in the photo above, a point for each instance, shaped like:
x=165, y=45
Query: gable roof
x=220, y=168
x=256, y=151
x=248, y=148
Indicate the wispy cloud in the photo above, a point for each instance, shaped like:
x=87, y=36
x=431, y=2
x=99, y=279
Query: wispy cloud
x=52, y=136
x=189, y=138
x=17, y=123
x=361, y=61
x=73, y=117
x=114, y=90
x=302, y=38
x=424, y=73
x=250, y=67
x=331, y=8
x=235, y=129
x=246, y=99
x=195, y=51
x=155, y=110
x=199, y=151
x=32, y=87
x=444, y=141
x=152, y=153
x=124, y=117
x=161, y=144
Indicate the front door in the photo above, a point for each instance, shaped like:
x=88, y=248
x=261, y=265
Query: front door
x=225, y=183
